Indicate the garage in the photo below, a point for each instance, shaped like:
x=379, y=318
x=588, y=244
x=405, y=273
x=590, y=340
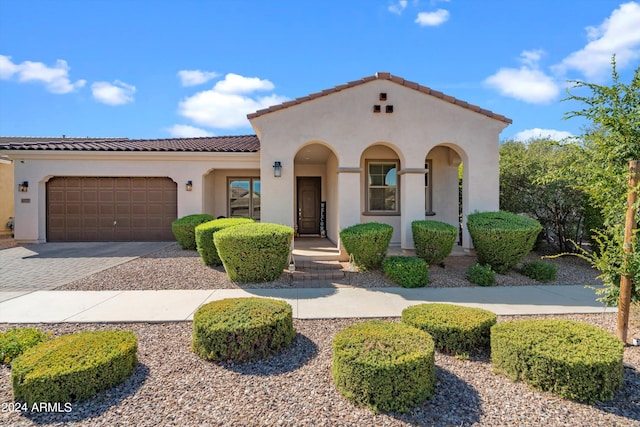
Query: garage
x=104, y=209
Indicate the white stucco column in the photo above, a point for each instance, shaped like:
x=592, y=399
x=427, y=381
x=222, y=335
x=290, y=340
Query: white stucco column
x=411, y=202
x=348, y=196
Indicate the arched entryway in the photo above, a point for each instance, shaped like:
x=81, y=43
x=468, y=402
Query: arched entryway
x=315, y=191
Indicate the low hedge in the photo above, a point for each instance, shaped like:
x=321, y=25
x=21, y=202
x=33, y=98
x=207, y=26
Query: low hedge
x=433, y=240
x=184, y=229
x=502, y=239
x=573, y=360
x=384, y=366
x=204, y=237
x=367, y=243
x=406, y=271
x=540, y=271
x=15, y=341
x=74, y=367
x=455, y=329
x=242, y=329
x=256, y=252
x=481, y=275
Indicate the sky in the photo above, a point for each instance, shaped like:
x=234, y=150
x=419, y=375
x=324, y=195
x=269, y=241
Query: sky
x=163, y=69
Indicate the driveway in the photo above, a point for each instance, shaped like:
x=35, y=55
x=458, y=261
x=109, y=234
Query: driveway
x=29, y=268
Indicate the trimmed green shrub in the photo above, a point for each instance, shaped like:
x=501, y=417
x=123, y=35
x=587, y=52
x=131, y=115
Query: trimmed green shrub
x=573, y=360
x=74, y=367
x=254, y=252
x=502, y=239
x=540, y=271
x=367, y=243
x=481, y=275
x=433, y=239
x=204, y=237
x=242, y=329
x=14, y=342
x=455, y=329
x=384, y=366
x=184, y=229
x=406, y=271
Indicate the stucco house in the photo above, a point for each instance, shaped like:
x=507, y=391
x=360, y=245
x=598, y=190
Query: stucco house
x=377, y=149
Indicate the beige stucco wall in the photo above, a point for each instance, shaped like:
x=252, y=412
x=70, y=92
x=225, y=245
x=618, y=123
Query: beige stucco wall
x=39, y=167
x=6, y=193
x=345, y=122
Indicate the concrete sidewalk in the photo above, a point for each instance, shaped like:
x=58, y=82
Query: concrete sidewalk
x=307, y=303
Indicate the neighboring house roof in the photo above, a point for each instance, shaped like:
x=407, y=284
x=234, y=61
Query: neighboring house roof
x=382, y=76
x=229, y=144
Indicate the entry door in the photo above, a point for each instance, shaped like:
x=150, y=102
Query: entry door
x=309, y=205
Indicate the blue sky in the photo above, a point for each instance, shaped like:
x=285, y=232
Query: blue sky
x=158, y=69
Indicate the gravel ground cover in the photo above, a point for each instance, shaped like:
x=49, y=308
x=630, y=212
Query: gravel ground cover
x=175, y=268
x=173, y=387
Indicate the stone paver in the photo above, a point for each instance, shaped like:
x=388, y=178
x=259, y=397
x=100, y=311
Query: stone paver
x=29, y=268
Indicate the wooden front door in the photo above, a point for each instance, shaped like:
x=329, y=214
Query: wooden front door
x=309, y=205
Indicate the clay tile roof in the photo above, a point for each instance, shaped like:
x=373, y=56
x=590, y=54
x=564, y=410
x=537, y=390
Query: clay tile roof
x=224, y=144
x=383, y=76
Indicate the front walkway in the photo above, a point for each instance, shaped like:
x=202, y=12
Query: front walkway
x=317, y=303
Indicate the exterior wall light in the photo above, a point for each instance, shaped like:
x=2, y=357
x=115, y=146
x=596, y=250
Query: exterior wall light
x=189, y=185
x=277, y=169
x=24, y=187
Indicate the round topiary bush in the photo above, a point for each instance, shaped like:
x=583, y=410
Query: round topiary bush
x=74, y=367
x=540, y=271
x=184, y=229
x=254, y=252
x=14, y=342
x=454, y=328
x=407, y=271
x=502, y=239
x=433, y=240
x=384, y=366
x=242, y=329
x=481, y=275
x=204, y=237
x=573, y=360
x=367, y=243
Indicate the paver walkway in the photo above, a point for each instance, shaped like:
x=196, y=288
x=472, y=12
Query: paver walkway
x=28, y=268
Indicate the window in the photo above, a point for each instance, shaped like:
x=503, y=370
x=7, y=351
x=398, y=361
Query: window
x=428, y=177
x=382, y=188
x=244, y=198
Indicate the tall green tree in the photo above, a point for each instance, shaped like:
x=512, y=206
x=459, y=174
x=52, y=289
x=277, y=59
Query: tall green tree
x=601, y=167
x=530, y=185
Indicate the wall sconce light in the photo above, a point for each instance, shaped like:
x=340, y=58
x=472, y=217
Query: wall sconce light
x=277, y=169
x=24, y=187
x=189, y=185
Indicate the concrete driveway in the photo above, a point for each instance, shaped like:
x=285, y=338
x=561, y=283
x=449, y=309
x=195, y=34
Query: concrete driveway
x=29, y=268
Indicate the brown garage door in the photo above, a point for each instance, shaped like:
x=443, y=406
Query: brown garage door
x=96, y=209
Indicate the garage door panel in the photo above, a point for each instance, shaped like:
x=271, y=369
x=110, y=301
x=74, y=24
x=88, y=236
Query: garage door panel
x=85, y=209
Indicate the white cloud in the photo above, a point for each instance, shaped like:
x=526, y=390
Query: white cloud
x=116, y=93
x=398, y=7
x=186, y=131
x=195, y=77
x=55, y=79
x=432, y=19
x=526, y=83
x=236, y=84
x=226, y=105
x=619, y=34
x=537, y=133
